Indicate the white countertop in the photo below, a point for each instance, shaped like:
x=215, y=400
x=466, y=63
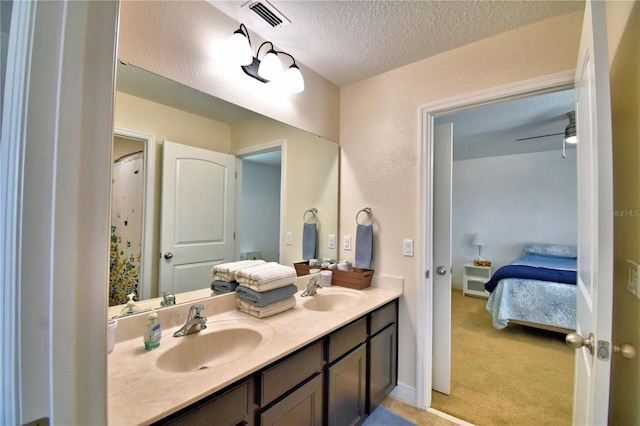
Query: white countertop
x=140, y=393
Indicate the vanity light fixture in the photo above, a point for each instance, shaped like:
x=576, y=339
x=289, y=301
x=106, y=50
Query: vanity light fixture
x=270, y=67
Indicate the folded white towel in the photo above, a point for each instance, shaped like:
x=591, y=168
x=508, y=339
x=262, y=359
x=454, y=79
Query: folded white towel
x=268, y=276
x=227, y=271
x=268, y=310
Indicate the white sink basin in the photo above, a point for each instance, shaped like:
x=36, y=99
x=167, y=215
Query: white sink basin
x=206, y=349
x=332, y=299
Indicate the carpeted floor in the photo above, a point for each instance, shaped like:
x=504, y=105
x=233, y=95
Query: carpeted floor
x=516, y=376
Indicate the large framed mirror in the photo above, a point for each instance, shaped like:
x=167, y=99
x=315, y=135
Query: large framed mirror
x=282, y=172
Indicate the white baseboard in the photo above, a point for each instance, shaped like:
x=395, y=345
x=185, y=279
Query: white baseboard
x=404, y=393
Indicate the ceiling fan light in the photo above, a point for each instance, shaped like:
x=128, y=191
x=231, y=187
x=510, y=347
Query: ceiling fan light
x=240, y=48
x=294, y=80
x=270, y=66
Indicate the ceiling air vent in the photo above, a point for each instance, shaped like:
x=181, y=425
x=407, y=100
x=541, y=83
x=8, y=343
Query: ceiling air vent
x=268, y=13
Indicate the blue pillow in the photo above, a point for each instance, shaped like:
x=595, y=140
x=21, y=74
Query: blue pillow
x=552, y=250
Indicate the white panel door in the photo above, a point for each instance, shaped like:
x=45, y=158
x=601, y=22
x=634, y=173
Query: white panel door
x=443, y=161
x=198, y=210
x=595, y=220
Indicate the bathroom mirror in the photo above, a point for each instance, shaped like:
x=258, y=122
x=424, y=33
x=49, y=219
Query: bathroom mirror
x=302, y=170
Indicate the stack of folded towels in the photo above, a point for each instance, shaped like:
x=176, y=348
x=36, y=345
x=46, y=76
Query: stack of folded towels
x=224, y=275
x=266, y=289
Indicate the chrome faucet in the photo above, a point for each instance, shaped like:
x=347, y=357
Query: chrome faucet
x=167, y=299
x=195, y=322
x=312, y=287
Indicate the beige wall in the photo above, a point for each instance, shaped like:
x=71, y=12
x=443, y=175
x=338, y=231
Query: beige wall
x=379, y=135
x=623, y=23
x=186, y=40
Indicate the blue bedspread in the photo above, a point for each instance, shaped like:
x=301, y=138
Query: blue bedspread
x=538, y=299
x=530, y=273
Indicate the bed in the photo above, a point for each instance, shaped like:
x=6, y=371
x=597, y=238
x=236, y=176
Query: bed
x=537, y=290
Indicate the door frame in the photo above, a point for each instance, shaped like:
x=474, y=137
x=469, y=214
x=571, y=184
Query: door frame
x=428, y=112
x=149, y=190
x=280, y=144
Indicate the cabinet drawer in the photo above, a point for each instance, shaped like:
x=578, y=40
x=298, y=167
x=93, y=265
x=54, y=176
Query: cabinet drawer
x=228, y=409
x=382, y=317
x=302, y=407
x=288, y=373
x=342, y=341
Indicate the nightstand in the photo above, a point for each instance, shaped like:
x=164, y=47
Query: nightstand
x=474, y=278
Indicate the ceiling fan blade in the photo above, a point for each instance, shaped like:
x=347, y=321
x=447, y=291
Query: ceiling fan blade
x=541, y=136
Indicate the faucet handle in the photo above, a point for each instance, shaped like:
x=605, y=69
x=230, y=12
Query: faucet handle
x=197, y=308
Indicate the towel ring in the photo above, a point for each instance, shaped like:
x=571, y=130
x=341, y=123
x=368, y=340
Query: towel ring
x=314, y=212
x=366, y=210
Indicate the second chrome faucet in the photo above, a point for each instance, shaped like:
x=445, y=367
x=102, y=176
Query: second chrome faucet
x=195, y=322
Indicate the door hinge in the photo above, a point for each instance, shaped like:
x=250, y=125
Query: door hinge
x=426, y=274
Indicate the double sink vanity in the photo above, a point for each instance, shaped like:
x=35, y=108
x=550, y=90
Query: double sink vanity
x=330, y=360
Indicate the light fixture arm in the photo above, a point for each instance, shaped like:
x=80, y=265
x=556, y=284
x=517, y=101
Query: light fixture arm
x=245, y=31
x=260, y=47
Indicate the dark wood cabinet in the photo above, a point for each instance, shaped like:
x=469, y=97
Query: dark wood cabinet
x=346, y=389
x=383, y=354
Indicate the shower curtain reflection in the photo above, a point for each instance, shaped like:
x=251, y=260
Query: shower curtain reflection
x=126, y=227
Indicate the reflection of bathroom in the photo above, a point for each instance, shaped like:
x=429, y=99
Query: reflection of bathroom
x=126, y=218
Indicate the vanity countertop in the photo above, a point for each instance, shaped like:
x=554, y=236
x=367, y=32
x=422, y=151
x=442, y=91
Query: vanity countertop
x=140, y=393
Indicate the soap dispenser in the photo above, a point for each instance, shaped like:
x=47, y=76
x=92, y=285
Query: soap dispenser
x=152, y=332
x=131, y=307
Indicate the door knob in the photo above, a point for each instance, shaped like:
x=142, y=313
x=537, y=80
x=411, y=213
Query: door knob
x=168, y=255
x=441, y=270
x=576, y=341
x=627, y=350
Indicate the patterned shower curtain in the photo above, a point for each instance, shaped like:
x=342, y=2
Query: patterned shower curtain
x=126, y=227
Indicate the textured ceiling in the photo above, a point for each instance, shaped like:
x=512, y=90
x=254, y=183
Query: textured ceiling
x=349, y=41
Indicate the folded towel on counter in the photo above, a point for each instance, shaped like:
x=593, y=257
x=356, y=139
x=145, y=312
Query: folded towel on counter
x=309, y=241
x=265, y=277
x=227, y=271
x=223, y=287
x=364, y=246
x=268, y=310
x=262, y=298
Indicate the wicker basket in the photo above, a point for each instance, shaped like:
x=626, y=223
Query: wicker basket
x=358, y=279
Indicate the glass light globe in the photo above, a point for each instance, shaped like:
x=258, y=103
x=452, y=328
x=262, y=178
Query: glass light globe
x=240, y=49
x=294, y=80
x=270, y=67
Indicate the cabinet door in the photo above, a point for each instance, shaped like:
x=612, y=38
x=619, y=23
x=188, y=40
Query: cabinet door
x=227, y=409
x=347, y=389
x=382, y=365
x=302, y=407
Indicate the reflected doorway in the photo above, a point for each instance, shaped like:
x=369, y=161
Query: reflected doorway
x=260, y=212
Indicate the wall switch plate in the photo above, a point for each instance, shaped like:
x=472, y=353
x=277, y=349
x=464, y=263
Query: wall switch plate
x=346, y=242
x=288, y=238
x=633, y=284
x=407, y=247
x=332, y=241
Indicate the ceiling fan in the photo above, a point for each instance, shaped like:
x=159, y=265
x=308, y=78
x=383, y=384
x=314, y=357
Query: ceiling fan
x=569, y=133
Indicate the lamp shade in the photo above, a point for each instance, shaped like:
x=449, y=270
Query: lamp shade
x=294, y=80
x=479, y=239
x=570, y=130
x=240, y=49
x=270, y=67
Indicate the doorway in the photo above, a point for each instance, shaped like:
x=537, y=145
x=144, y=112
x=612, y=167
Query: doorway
x=260, y=200
x=426, y=315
